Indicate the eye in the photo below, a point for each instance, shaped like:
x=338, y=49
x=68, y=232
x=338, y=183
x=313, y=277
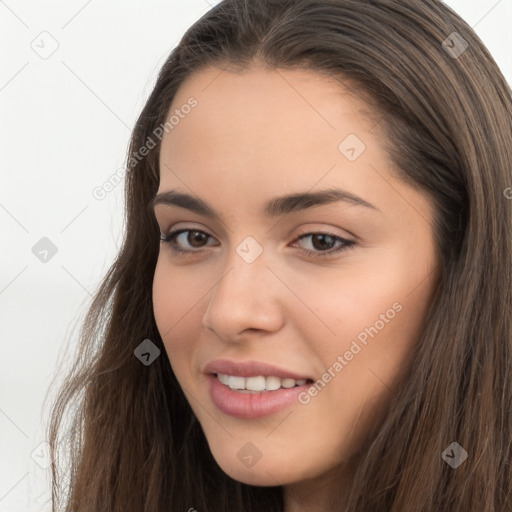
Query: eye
x=172, y=237
x=319, y=242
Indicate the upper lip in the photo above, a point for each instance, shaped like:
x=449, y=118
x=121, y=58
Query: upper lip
x=251, y=369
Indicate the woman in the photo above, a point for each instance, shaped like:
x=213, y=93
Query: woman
x=311, y=308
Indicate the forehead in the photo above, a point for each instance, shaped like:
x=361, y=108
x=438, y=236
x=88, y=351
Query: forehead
x=272, y=102
x=283, y=125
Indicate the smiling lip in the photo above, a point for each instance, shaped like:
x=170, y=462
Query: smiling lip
x=251, y=405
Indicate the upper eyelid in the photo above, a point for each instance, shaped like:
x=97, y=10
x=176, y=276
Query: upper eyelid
x=180, y=231
x=206, y=231
x=346, y=235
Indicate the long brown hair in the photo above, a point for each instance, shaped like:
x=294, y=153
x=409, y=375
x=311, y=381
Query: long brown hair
x=133, y=442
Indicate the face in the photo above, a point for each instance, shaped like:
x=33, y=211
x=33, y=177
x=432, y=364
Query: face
x=330, y=291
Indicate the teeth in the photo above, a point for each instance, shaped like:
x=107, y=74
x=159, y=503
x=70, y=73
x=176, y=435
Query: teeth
x=223, y=378
x=287, y=383
x=236, y=382
x=259, y=383
x=272, y=383
x=255, y=383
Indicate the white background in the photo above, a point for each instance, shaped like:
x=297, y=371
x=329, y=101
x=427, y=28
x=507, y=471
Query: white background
x=65, y=126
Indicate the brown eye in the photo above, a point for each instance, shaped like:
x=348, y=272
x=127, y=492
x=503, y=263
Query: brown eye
x=324, y=244
x=195, y=240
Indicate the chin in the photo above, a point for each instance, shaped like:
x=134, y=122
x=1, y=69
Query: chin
x=265, y=472
x=259, y=477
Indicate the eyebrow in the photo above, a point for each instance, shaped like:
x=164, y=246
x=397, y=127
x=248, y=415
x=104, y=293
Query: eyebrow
x=273, y=208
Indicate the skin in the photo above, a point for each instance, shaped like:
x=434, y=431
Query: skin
x=253, y=136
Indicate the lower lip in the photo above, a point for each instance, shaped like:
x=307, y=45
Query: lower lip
x=249, y=406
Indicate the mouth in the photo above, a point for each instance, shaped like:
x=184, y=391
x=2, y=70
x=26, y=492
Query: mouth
x=249, y=398
x=259, y=383
x=251, y=389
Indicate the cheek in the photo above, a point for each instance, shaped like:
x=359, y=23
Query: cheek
x=371, y=316
x=178, y=294
x=376, y=317
x=165, y=300
x=177, y=301
x=342, y=304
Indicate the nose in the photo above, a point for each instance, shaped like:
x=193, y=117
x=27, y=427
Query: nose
x=246, y=298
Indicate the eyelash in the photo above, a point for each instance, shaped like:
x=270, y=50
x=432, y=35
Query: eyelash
x=345, y=244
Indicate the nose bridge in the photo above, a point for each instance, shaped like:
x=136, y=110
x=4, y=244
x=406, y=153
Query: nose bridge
x=245, y=272
x=242, y=298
